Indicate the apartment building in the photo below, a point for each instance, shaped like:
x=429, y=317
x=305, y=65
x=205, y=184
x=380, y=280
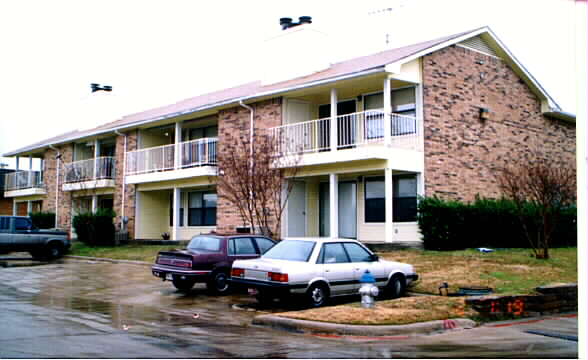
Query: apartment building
x=372, y=133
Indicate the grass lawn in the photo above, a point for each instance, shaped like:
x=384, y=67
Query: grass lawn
x=123, y=252
x=509, y=271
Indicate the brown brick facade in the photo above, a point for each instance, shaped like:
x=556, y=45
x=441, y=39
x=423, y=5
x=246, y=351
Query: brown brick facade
x=129, y=201
x=462, y=152
x=234, y=121
x=50, y=180
x=5, y=204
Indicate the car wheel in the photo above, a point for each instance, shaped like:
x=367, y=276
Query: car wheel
x=54, y=250
x=396, y=286
x=219, y=283
x=317, y=295
x=183, y=284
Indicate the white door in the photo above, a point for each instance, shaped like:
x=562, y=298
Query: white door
x=298, y=111
x=347, y=210
x=297, y=210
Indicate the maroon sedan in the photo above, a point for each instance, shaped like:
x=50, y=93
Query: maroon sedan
x=208, y=259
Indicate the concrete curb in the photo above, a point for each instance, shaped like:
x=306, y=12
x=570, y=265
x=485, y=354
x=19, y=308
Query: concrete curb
x=114, y=261
x=363, y=330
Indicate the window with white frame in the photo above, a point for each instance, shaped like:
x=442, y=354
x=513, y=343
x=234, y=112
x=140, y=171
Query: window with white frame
x=202, y=208
x=404, y=202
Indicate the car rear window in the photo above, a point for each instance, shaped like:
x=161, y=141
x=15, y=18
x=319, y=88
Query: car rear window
x=205, y=243
x=293, y=250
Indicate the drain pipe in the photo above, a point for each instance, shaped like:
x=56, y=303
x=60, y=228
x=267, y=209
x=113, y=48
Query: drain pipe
x=57, y=158
x=251, y=112
x=122, y=206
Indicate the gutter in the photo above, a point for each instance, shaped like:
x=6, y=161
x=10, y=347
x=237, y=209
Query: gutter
x=214, y=105
x=251, y=112
x=57, y=159
x=124, y=183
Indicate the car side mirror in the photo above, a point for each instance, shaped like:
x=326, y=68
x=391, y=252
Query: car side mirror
x=374, y=257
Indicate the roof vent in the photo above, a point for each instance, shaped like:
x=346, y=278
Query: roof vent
x=287, y=23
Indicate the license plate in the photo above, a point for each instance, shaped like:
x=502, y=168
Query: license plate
x=169, y=277
x=252, y=291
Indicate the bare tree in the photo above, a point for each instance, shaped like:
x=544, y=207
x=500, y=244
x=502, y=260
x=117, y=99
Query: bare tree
x=547, y=186
x=253, y=178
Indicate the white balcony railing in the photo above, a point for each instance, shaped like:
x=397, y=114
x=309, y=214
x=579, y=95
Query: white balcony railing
x=352, y=130
x=199, y=152
x=23, y=180
x=91, y=169
x=162, y=158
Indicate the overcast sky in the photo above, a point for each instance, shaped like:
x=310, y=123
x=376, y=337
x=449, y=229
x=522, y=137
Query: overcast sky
x=155, y=53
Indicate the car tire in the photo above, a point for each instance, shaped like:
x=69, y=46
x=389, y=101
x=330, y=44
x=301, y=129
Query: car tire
x=396, y=287
x=264, y=298
x=54, y=250
x=219, y=283
x=317, y=295
x=183, y=284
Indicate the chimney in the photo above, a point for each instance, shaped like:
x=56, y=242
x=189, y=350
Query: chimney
x=287, y=23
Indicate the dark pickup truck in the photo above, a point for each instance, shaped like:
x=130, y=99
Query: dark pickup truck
x=17, y=233
x=208, y=259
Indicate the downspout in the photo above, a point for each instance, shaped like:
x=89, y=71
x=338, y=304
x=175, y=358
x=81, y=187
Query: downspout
x=57, y=158
x=251, y=112
x=123, y=177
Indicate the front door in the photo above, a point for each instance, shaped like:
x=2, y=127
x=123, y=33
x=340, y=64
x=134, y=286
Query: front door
x=297, y=210
x=348, y=210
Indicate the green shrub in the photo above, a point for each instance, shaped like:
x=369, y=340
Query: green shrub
x=95, y=228
x=43, y=220
x=453, y=225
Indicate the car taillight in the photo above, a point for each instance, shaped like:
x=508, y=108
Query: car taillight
x=277, y=277
x=236, y=272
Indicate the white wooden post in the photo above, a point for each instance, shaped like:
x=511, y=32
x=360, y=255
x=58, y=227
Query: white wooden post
x=389, y=198
x=178, y=149
x=94, y=203
x=334, y=205
x=14, y=207
x=334, y=134
x=96, y=156
x=387, y=112
x=176, y=213
x=17, y=162
x=29, y=207
x=30, y=174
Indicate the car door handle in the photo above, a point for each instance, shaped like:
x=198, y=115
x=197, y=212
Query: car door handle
x=327, y=270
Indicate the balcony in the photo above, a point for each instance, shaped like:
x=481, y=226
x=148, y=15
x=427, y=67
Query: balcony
x=23, y=183
x=361, y=135
x=195, y=158
x=90, y=174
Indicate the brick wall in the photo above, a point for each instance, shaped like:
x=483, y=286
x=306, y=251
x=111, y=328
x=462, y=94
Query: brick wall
x=5, y=204
x=232, y=123
x=119, y=180
x=50, y=180
x=462, y=152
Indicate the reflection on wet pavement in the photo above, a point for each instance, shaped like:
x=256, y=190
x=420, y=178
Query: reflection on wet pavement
x=132, y=307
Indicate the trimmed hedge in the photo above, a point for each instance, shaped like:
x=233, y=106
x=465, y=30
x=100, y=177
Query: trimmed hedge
x=454, y=225
x=95, y=228
x=43, y=220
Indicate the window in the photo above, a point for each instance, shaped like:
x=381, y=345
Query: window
x=205, y=132
x=206, y=243
x=357, y=253
x=241, y=246
x=405, y=198
x=403, y=102
x=202, y=209
x=4, y=223
x=404, y=202
x=333, y=253
x=293, y=250
x=264, y=244
x=375, y=200
x=171, y=211
x=21, y=224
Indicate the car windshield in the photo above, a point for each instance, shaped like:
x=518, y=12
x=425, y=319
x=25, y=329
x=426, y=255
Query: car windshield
x=293, y=250
x=204, y=243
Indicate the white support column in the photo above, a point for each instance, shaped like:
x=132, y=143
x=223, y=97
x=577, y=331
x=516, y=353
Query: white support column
x=29, y=207
x=17, y=163
x=96, y=156
x=14, y=207
x=30, y=174
x=176, y=211
x=334, y=123
x=334, y=205
x=178, y=149
x=389, y=198
x=94, y=203
x=387, y=112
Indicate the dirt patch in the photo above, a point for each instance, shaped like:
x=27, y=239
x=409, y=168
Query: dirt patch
x=389, y=312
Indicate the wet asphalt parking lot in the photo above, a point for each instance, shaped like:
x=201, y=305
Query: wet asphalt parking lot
x=88, y=309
